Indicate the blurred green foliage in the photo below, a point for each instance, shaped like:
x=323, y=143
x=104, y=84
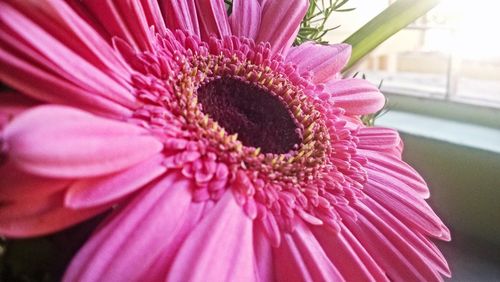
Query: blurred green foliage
x=314, y=25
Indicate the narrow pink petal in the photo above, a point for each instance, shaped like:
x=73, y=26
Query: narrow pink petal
x=196, y=212
x=397, y=198
x=348, y=255
x=220, y=248
x=288, y=262
x=17, y=185
x=412, y=255
x=83, y=12
x=57, y=141
x=181, y=14
x=159, y=269
x=213, y=18
x=54, y=55
x=245, y=18
x=280, y=23
x=28, y=218
x=324, y=62
x=318, y=265
x=125, y=19
x=40, y=84
x=132, y=12
x=436, y=252
x=423, y=246
x=356, y=96
x=395, y=167
x=95, y=191
x=272, y=230
x=140, y=231
x=379, y=139
x=263, y=250
x=62, y=22
x=383, y=251
x=153, y=16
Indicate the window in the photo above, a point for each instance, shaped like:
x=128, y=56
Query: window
x=452, y=53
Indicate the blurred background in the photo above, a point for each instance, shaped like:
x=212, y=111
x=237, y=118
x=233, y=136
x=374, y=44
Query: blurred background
x=441, y=76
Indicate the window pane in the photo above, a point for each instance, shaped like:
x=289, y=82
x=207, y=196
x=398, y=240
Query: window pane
x=479, y=82
x=406, y=65
x=451, y=53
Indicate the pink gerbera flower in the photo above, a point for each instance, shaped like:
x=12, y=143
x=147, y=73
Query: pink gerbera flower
x=224, y=153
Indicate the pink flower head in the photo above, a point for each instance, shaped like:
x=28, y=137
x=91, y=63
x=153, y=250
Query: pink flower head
x=224, y=153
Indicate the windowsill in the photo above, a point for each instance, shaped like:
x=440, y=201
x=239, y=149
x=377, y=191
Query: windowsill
x=462, y=113
x=460, y=163
x=459, y=133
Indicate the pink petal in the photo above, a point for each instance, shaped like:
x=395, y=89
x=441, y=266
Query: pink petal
x=213, y=18
x=301, y=258
x=406, y=206
x=356, y=96
x=125, y=19
x=319, y=265
x=141, y=230
x=323, y=61
x=415, y=266
x=42, y=85
x=81, y=10
x=348, y=255
x=162, y=265
x=28, y=218
x=219, y=248
x=290, y=266
x=13, y=104
x=245, y=18
x=263, y=250
x=153, y=16
x=17, y=185
x=423, y=246
x=62, y=22
x=272, y=230
x=57, y=141
x=379, y=139
x=280, y=23
x=56, y=57
x=95, y=191
x=181, y=14
x=393, y=166
x=383, y=251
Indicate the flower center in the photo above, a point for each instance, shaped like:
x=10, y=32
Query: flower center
x=234, y=115
x=259, y=118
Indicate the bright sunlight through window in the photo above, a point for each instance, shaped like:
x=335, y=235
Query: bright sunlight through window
x=451, y=53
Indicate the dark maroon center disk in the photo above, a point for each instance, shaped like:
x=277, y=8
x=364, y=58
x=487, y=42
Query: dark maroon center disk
x=259, y=118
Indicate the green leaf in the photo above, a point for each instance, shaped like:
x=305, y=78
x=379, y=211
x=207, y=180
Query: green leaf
x=384, y=25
